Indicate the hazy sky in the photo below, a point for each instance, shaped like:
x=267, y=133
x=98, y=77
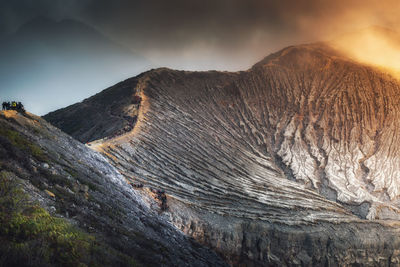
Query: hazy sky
x=208, y=34
x=230, y=34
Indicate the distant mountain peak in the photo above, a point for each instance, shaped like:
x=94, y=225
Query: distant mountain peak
x=46, y=26
x=66, y=57
x=37, y=23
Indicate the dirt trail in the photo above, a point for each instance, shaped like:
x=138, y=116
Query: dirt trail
x=99, y=145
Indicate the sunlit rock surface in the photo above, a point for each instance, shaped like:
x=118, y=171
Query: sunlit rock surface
x=286, y=163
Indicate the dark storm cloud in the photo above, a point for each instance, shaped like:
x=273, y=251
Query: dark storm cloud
x=182, y=34
x=178, y=23
x=16, y=12
x=227, y=24
x=232, y=31
x=233, y=22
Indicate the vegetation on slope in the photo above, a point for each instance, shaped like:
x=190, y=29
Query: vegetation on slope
x=30, y=235
x=23, y=144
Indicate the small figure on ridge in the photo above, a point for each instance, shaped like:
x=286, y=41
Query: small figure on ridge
x=18, y=106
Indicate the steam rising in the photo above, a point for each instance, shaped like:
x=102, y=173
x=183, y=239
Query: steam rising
x=373, y=46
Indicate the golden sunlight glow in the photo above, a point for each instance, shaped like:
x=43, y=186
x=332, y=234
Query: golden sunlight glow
x=374, y=46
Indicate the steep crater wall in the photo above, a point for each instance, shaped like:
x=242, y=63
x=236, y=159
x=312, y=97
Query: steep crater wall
x=306, y=140
x=78, y=185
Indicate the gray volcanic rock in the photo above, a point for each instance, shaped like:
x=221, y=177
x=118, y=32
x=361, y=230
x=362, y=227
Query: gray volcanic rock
x=76, y=183
x=99, y=116
x=278, y=165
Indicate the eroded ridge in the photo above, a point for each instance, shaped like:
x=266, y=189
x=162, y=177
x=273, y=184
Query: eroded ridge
x=277, y=165
x=299, y=129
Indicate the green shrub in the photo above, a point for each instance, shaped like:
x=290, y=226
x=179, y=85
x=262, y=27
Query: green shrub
x=12, y=198
x=30, y=236
x=22, y=143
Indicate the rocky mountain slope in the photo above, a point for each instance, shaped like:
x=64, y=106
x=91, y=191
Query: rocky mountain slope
x=79, y=209
x=99, y=116
x=293, y=162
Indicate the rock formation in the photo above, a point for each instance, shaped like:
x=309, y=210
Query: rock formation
x=292, y=162
x=100, y=116
x=77, y=184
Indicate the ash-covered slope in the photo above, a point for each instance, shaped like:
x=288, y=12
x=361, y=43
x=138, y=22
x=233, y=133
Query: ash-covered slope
x=280, y=164
x=79, y=185
x=335, y=126
x=101, y=115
